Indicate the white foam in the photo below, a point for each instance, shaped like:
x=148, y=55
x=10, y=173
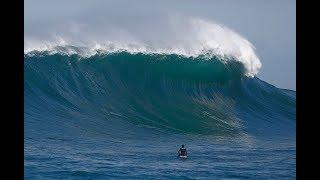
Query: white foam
x=189, y=37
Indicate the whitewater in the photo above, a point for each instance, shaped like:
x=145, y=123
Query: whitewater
x=117, y=105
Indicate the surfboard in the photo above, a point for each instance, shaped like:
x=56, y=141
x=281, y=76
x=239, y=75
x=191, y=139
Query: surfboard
x=183, y=157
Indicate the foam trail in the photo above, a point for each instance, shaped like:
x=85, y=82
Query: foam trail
x=190, y=37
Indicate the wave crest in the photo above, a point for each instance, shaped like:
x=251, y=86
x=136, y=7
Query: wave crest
x=189, y=37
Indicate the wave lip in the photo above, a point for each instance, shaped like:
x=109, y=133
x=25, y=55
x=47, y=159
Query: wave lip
x=189, y=37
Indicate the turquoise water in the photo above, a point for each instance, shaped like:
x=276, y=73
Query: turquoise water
x=124, y=116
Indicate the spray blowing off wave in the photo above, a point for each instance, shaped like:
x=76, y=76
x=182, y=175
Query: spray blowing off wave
x=189, y=37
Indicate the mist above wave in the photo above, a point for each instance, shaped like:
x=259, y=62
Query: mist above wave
x=185, y=36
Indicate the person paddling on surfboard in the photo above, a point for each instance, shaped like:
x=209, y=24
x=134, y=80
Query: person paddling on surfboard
x=182, y=152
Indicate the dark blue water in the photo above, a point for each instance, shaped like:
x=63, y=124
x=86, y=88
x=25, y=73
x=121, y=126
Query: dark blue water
x=124, y=116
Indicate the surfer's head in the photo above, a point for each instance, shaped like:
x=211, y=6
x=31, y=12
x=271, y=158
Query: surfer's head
x=182, y=145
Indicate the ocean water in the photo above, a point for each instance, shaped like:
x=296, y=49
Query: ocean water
x=124, y=115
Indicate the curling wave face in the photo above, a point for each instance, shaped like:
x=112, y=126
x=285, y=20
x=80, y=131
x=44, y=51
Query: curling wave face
x=114, y=92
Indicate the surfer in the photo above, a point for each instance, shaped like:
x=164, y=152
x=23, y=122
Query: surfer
x=182, y=152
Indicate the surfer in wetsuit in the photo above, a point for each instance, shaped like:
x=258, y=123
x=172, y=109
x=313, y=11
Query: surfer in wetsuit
x=182, y=151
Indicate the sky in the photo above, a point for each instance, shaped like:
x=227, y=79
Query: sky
x=270, y=25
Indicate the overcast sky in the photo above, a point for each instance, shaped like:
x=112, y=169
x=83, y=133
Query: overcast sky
x=270, y=25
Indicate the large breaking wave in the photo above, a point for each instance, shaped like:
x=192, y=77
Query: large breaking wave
x=202, y=83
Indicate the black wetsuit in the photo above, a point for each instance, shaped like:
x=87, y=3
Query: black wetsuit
x=182, y=152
